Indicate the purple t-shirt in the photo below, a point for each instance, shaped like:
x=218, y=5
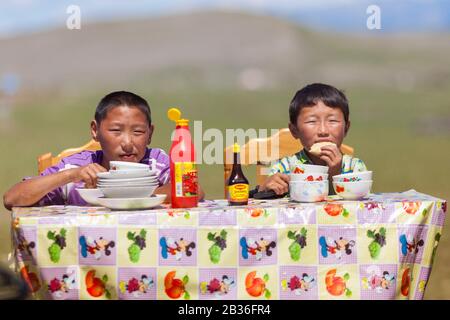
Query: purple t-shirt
x=67, y=195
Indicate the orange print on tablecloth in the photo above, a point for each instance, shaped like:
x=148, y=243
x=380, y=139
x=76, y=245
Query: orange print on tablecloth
x=257, y=286
x=411, y=207
x=174, y=287
x=336, y=285
x=335, y=209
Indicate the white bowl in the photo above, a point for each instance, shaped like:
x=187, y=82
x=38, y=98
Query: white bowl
x=133, y=203
x=126, y=174
x=128, y=192
x=308, y=191
x=354, y=176
x=90, y=195
x=308, y=176
x=353, y=190
x=309, y=168
x=125, y=165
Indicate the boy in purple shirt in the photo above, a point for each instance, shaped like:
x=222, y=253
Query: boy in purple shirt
x=68, y=195
x=123, y=127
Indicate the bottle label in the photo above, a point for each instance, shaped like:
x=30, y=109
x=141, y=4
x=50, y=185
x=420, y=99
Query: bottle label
x=186, y=184
x=238, y=192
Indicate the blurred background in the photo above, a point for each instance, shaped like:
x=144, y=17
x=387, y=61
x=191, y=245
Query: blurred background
x=233, y=64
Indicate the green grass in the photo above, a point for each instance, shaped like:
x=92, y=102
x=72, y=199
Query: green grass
x=384, y=133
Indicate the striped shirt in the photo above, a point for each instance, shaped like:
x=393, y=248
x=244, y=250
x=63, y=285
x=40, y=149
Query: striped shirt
x=287, y=164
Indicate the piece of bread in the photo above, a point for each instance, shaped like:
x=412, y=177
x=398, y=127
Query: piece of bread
x=316, y=148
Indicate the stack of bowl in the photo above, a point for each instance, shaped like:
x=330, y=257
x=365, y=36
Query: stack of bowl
x=309, y=183
x=127, y=180
x=353, y=186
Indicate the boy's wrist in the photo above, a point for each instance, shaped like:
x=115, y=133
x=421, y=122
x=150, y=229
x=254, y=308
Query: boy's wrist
x=335, y=170
x=69, y=175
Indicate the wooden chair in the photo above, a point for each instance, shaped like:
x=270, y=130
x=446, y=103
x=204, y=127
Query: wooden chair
x=266, y=150
x=47, y=160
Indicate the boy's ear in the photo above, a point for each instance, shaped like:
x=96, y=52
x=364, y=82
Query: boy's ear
x=152, y=128
x=347, y=127
x=94, y=130
x=293, y=130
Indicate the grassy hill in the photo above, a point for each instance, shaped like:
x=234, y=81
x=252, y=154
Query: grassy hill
x=234, y=70
x=213, y=47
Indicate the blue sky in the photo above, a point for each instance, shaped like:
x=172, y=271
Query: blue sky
x=21, y=16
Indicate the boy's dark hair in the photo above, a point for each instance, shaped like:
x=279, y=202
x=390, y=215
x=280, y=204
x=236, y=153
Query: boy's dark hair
x=121, y=98
x=312, y=94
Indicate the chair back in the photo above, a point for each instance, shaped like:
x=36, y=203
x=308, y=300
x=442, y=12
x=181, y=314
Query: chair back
x=47, y=160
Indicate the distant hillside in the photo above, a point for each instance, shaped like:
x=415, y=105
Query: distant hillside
x=218, y=49
x=396, y=16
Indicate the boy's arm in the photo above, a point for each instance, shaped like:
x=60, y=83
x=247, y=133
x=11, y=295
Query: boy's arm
x=31, y=191
x=278, y=179
x=164, y=189
x=279, y=182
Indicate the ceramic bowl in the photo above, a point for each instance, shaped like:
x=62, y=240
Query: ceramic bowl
x=308, y=191
x=90, y=195
x=308, y=177
x=354, y=176
x=353, y=190
x=125, y=165
x=309, y=168
x=128, y=192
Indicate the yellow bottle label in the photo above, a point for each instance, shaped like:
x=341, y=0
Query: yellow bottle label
x=238, y=192
x=186, y=184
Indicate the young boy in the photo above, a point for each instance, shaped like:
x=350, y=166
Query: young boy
x=123, y=127
x=317, y=113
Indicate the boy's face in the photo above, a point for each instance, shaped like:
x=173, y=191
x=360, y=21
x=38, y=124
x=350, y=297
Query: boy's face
x=124, y=134
x=320, y=123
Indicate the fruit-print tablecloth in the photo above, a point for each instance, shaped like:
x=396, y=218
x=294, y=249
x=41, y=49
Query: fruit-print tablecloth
x=379, y=248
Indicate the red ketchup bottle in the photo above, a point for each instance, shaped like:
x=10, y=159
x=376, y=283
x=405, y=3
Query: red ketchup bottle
x=183, y=171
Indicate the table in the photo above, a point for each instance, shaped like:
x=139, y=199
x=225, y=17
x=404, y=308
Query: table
x=378, y=248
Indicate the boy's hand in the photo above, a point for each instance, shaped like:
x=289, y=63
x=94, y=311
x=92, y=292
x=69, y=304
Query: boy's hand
x=87, y=174
x=278, y=182
x=333, y=157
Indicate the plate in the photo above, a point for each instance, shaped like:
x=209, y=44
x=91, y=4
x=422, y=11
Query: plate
x=126, y=174
x=126, y=181
x=132, y=203
x=141, y=179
